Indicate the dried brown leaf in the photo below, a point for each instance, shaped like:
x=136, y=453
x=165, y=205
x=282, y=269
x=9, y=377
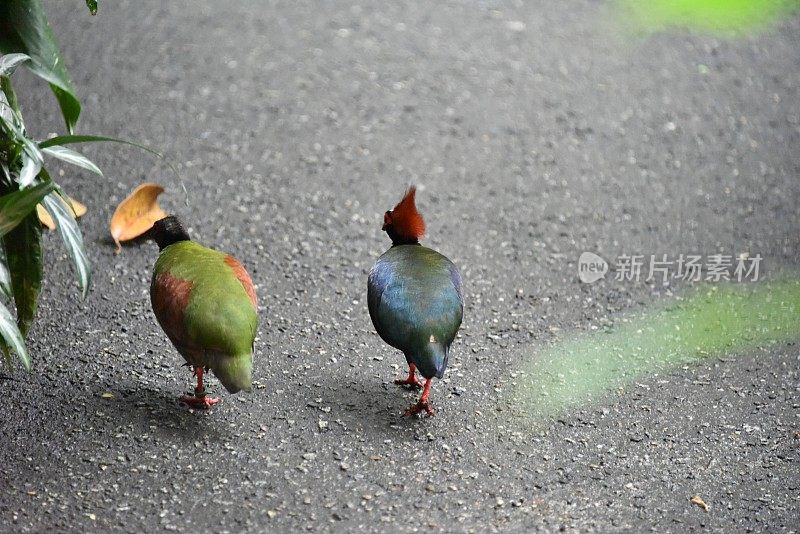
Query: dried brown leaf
x=78, y=210
x=136, y=214
x=700, y=502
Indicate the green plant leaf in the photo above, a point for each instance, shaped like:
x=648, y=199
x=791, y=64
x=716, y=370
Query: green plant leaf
x=16, y=206
x=7, y=116
x=12, y=338
x=24, y=256
x=71, y=235
x=14, y=125
x=30, y=169
x=24, y=29
x=5, y=276
x=72, y=139
x=92, y=5
x=5, y=106
x=9, y=62
x=8, y=99
x=6, y=174
x=70, y=156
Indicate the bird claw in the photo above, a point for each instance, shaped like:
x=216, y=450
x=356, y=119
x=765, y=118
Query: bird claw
x=411, y=381
x=200, y=403
x=421, y=406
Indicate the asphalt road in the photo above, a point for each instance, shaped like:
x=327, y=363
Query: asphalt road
x=535, y=131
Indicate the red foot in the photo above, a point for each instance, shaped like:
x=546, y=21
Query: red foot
x=410, y=381
x=412, y=378
x=199, y=400
x=421, y=406
x=199, y=403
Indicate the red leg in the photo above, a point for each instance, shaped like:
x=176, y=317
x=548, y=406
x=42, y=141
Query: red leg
x=423, y=404
x=412, y=378
x=199, y=400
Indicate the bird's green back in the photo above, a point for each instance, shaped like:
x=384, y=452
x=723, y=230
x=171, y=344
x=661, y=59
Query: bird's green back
x=219, y=313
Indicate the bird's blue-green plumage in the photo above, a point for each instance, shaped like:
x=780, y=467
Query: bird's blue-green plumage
x=416, y=304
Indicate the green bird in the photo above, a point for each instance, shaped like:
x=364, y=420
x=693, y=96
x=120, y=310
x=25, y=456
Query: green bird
x=205, y=302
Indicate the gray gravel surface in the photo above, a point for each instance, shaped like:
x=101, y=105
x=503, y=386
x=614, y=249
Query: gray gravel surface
x=536, y=130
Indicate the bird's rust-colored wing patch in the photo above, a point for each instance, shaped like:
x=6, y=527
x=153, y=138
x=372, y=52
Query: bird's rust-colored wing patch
x=243, y=277
x=170, y=296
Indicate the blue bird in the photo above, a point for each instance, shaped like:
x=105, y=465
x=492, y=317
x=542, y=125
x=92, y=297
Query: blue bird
x=415, y=299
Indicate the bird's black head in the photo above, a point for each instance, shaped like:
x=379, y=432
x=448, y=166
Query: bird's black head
x=167, y=231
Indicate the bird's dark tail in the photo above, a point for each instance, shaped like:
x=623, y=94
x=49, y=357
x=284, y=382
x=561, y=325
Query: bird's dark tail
x=431, y=360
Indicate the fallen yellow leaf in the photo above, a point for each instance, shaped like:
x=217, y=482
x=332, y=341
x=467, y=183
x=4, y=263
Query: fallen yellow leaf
x=700, y=502
x=78, y=210
x=136, y=214
x=107, y=395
